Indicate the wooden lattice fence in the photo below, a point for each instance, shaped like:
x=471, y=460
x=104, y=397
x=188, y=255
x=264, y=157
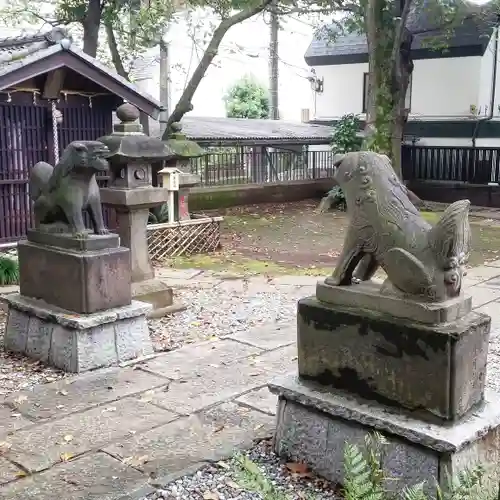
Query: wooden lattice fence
x=199, y=235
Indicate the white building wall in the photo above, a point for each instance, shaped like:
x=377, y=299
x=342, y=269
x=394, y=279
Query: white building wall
x=441, y=88
x=243, y=51
x=445, y=88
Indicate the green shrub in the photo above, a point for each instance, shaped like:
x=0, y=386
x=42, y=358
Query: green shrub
x=344, y=140
x=9, y=271
x=158, y=215
x=345, y=135
x=247, y=98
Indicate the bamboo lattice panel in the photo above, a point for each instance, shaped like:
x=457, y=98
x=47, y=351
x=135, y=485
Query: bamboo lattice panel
x=184, y=237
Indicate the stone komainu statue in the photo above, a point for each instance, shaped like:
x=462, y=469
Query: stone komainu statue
x=386, y=230
x=61, y=193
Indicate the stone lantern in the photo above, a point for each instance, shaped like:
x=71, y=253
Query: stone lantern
x=131, y=194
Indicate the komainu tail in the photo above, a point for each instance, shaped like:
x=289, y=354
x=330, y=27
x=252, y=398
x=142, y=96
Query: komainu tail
x=451, y=237
x=39, y=179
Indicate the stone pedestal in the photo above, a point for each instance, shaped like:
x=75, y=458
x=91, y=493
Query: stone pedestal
x=76, y=343
x=186, y=182
x=367, y=365
x=314, y=423
x=79, y=275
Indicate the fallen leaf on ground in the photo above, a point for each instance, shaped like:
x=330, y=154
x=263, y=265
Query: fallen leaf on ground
x=211, y=495
x=223, y=465
x=68, y=438
x=218, y=429
x=233, y=485
x=4, y=447
x=135, y=461
x=299, y=469
x=62, y=392
x=21, y=399
x=65, y=456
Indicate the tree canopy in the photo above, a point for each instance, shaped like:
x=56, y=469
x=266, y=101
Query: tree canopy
x=247, y=98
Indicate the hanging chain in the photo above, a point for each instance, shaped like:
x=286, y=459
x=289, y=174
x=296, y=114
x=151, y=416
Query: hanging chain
x=54, y=131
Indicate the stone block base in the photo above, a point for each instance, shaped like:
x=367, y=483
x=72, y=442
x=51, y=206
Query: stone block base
x=313, y=426
x=157, y=293
x=72, y=342
x=367, y=295
x=80, y=281
x=438, y=371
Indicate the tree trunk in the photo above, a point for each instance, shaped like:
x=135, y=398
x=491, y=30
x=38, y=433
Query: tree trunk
x=91, y=26
x=273, y=64
x=184, y=105
x=390, y=66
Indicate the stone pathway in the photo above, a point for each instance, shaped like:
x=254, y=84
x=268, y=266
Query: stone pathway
x=116, y=433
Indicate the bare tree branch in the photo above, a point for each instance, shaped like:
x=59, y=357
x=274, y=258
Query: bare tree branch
x=184, y=105
x=401, y=28
x=113, y=49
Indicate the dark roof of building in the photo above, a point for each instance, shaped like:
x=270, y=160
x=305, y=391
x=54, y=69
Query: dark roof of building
x=469, y=38
x=25, y=57
x=241, y=130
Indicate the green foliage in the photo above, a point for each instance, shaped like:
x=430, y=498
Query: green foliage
x=365, y=478
x=247, y=99
x=158, y=215
x=344, y=140
x=250, y=477
x=9, y=271
x=345, y=134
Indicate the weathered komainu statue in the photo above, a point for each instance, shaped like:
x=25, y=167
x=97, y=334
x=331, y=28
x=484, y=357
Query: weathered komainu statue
x=61, y=193
x=387, y=230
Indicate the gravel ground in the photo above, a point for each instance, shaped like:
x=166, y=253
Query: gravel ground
x=217, y=311
x=19, y=372
x=212, y=312
x=221, y=481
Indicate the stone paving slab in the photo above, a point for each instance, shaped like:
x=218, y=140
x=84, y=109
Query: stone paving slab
x=484, y=293
x=260, y=399
x=183, y=274
x=188, y=360
x=42, y=446
x=298, y=280
x=278, y=361
x=495, y=263
x=207, y=283
x=8, y=472
x=82, y=392
x=11, y=420
x=215, y=384
x=208, y=436
x=492, y=309
x=268, y=336
x=93, y=477
x=482, y=273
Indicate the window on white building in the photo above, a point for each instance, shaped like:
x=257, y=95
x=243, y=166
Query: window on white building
x=365, y=93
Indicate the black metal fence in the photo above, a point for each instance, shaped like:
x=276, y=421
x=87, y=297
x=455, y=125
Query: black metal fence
x=461, y=164
x=257, y=166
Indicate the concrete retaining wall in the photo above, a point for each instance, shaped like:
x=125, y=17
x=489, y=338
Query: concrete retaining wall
x=206, y=198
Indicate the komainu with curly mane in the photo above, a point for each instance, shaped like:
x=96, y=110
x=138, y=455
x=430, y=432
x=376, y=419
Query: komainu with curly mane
x=386, y=230
x=61, y=193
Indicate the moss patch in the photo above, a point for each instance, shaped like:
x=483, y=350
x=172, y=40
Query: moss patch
x=239, y=265
x=212, y=200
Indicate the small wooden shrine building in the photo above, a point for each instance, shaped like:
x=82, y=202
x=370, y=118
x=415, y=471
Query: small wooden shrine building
x=51, y=93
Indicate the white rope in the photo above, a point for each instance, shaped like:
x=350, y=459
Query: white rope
x=54, y=131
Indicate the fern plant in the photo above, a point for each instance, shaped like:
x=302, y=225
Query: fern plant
x=365, y=478
x=9, y=271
